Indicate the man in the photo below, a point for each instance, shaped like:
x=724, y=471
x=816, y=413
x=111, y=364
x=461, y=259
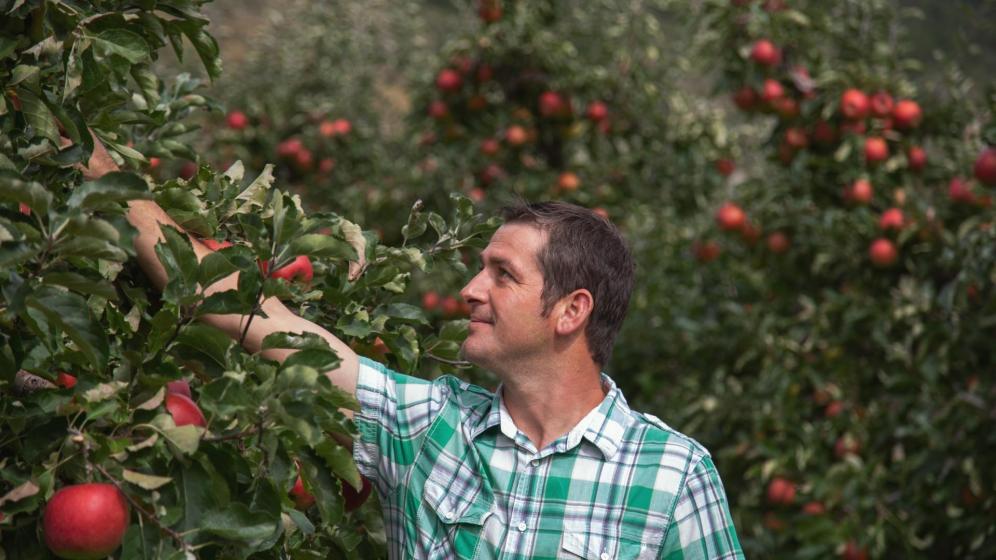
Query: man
x=554, y=464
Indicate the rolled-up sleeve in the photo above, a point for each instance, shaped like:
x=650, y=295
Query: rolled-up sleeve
x=395, y=412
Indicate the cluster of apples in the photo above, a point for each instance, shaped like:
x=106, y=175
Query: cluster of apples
x=299, y=269
x=731, y=218
x=462, y=92
x=781, y=493
x=448, y=306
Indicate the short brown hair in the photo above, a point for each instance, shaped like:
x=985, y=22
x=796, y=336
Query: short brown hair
x=583, y=250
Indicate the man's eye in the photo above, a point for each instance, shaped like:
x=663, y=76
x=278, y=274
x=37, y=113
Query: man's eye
x=505, y=273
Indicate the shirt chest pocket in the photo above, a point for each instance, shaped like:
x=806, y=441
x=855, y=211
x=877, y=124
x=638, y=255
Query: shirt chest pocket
x=630, y=545
x=456, y=509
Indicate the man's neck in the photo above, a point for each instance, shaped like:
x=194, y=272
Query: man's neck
x=547, y=402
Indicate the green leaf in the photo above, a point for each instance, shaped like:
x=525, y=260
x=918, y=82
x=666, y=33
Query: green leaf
x=186, y=439
x=146, y=481
x=214, y=267
x=320, y=360
x=82, y=284
x=178, y=258
x=207, y=340
x=15, y=189
x=305, y=341
x=236, y=522
x=204, y=44
x=404, y=311
x=340, y=460
x=224, y=303
x=111, y=189
x=318, y=245
x=70, y=313
x=121, y=42
x=39, y=117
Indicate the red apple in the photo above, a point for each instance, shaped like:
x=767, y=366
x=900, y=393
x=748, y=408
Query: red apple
x=300, y=268
x=430, y=300
x=24, y=208
x=814, y=508
x=597, y=111
x=568, y=181
x=154, y=163
x=450, y=306
x=750, y=233
x=342, y=127
x=485, y=72
x=853, y=552
x=765, y=53
x=960, y=192
x=491, y=173
x=730, y=217
x=448, y=80
x=786, y=107
x=916, y=158
x=438, y=110
x=188, y=170
x=833, y=409
x=304, y=158
x=883, y=253
x=906, y=114
x=771, y=90
x=490, y=146
x=824, y=133
x=489, y=10
x=326, y=165
x=85, y=521
x=477, y=103
x=778, y=242
x=985, y=166
x=781, y=491
x=552, y=104
x=353, y=498
x=860, y=192
x=184, y=410
x=881, y=104
x=302, y=498
x=891, y=219
x=65, y=380
x=876, y=150
x=237, y=120
x=515, y=135
x=854, y=104
x=601, y=212
x=179, y=387
x=725, y=166
x=326, y=129
x=289, y=147
x=705, y=251
x=745, y=98
x=796, y=137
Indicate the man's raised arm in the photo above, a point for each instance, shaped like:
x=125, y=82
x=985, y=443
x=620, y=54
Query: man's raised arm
x=148, y=218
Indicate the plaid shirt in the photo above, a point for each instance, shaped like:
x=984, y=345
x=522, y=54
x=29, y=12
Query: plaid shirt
x=457, y=479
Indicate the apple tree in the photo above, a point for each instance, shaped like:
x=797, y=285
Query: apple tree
x=116, y=399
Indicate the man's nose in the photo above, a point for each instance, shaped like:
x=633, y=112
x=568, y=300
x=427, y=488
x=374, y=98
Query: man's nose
x=473, y=292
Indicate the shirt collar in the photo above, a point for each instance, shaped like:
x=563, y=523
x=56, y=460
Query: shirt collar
x=604, y=426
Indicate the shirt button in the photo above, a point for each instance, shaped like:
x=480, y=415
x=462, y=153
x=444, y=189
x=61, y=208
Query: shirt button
x=522, y=526
x=534, y=462
x=448, y=515
x=604, y=556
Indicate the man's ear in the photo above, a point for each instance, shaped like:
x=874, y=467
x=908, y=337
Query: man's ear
x=574, y=310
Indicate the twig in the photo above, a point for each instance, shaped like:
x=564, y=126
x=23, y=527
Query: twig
x=458, y=363
x=237, y=435
x=151, y=517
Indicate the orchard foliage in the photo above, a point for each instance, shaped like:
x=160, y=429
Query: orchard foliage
x=811, y=214
x=105, y=379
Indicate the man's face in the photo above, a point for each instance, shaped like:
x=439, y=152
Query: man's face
x=506, y=322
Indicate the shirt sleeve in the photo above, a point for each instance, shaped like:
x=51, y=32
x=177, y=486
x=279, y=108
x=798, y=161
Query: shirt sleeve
x=701, y=525
x=395, y=412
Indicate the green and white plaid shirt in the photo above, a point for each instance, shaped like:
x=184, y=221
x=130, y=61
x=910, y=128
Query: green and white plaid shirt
x=457, y=479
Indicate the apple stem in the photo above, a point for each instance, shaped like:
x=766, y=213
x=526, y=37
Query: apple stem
x=145, y=513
